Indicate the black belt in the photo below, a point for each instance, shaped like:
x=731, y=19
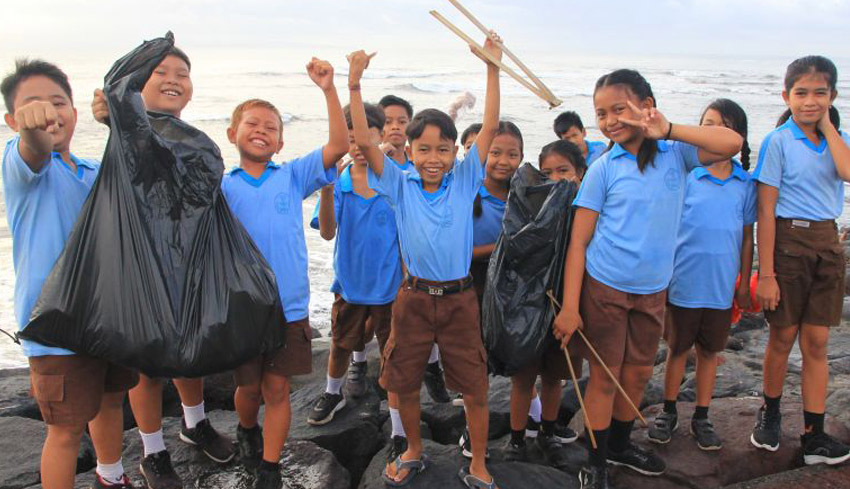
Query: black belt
x=439, y=288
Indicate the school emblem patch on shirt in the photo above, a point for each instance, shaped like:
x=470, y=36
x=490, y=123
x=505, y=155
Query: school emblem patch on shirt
x=281, y=203
x=672, y=180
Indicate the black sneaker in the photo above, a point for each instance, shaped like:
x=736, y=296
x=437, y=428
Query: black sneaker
x=820, y=448
x=158, y=473
x=531, y=428
x=355, y=381
x=458, y=400
x=326, y=406
x=398, y=446
x=553, y=451
x=214, y=445
x=435, y=383
x=250, y=444
x=564, y=434
x=268, y=479
x=638, y=459
x=591, y=477
x=706, y=437
x=767, y=431
x=516, y=452
x=663, y=427
x=465, y=445
x=99, y=483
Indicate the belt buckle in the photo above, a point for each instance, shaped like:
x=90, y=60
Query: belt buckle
x=437, y=291
x=797, y=223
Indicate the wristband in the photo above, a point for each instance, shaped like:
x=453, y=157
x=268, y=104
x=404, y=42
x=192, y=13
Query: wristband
x=767, y=275
x=669, y=131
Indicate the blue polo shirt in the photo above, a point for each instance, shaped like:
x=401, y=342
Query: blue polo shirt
x=367, y=265
x=633, y=245
x=487, y=227
x=805, y=174
x=435, y=233
x=270, y=209
x=595, y=149
x=41, y=209
x=708, y=249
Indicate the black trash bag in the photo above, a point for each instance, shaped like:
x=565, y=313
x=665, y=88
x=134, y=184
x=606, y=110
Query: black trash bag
x=527, y=262
x=158, y=275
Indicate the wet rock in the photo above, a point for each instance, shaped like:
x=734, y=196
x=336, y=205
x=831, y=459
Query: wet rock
x=21, y=440
x=815, y=477
x=15, y=399
x=447, y=421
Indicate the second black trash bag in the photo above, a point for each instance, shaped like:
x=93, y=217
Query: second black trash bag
x=157, y=274
x=527, y=262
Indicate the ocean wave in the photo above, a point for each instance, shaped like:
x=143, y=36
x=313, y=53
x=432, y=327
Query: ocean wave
x=287, y=118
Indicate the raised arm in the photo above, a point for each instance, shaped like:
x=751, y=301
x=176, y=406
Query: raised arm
x=36, y=121
x=492, y=100
x=358, y=61
x=837, y=147
x=322, y=74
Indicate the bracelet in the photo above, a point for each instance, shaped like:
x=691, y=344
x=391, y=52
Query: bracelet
x=669, y=131
x=354, y=88
x=767, y=275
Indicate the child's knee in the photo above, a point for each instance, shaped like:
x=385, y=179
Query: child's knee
x=813, y=347
x=275, y=390
x=65, y=435
x=475, y=401
x=602, y=384
x=250, y=392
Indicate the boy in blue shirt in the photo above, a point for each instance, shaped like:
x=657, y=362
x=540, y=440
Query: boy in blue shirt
x=267, y=199
x=568, y=126
x=45, y=186
x=437, y=303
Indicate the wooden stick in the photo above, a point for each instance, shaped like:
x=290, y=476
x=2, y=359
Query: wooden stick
x=553, y=102
x=543, y=88
x=581, y=401
x=604, y=367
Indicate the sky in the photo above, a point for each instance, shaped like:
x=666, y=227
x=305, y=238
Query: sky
x=786, y=28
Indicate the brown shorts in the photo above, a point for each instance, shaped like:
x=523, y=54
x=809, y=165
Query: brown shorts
x=809, y=265
x=69, y=388
x=451, y=320
x=686, y=326
x=553, y=363
x=353, y=325
x=624, y=328
x=295, y=358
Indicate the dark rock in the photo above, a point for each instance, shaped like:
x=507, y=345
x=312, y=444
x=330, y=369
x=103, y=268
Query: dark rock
x=316, y=333
x=354, y=435
x=446, y=461
x=21, y=440
x=687, y=466
x=814, y=477
x=569, y=400
x=749, y=322
x=735, y=343
x=733, y=380
x=15, y=399
x=447, y=421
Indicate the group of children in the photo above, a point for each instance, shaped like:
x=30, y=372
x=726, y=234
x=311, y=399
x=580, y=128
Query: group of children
x=663, y=225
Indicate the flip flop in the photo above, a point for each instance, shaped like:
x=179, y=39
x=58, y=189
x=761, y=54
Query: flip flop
x=473, y=482
x=413, y=467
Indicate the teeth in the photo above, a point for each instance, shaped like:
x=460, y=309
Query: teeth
x=259, y=142
x=171, y=93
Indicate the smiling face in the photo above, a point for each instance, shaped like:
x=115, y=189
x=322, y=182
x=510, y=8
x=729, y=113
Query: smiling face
x=169, y=89
x=258, y=134
x=433, y=156
x=612, y=103
x=395, y=124
x=810, y=98
x=504, y=158
x=44, y=89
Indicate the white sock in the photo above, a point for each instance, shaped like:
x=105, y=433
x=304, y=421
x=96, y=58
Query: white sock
x=153, y=442
x=536, y=409
x=359, y=356
x=111, y=473
x=194, y=414
x=395, y=419
x=334, y=385
x=435, y=354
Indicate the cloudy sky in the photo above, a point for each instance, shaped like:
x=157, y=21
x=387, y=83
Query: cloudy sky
x=786, y=28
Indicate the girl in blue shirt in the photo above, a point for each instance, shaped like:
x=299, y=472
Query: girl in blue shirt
x=801, y=171
x=623, y=234
x=714, y=245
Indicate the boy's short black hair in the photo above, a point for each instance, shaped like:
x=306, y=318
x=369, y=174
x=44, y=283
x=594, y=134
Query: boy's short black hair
x=175, y=51
x=565, y=121
x=469, y=131
x=374, y=116
x=26, y=68
x=432, y=117
x=390, y=100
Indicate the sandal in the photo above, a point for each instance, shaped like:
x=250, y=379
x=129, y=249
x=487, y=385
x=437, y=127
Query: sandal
x=413, y=467
x=473, y=482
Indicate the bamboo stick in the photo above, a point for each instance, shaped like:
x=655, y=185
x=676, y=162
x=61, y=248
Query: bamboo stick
x=581, y=401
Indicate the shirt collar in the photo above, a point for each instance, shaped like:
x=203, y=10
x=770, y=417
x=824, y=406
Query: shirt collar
x=269, y=164
x=485, y=194
x=737, y=172
x=414, y=175
x=618, y=151
x=78, y=162
x=795, y=129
